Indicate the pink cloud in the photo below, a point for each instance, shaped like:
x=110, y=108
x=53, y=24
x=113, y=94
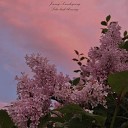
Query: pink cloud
x=38, y=17
x=57, y=34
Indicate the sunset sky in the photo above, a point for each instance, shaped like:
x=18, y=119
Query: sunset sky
x=32, y=26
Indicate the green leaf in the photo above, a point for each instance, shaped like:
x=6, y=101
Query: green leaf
x=104, y=23
x=57, y=119
x=70, y=81
x=76, y=81
x=80, y=122
x=100, y=110
x=104, y=30
x=5, y=120
x=78, y=118
x=79, y=63
x=88, y=60
x=124, y=125
x=71, y=108
x=99, y=119
x=76, y=52
x=44, y=121
x=125, y=46
x=119, y=82
x=81, y=54
x=125, y=33
x=82, y=58
x=126, y=37
x=75, y=59
x=59, y=125
x=77, y=71
x=108, y=18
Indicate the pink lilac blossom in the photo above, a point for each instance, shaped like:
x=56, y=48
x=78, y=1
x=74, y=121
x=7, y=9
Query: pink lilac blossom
x=108, y=57
x=34, y=94
x=91, y=94
x=62, y=90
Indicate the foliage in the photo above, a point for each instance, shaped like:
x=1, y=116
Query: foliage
x=119, y=82
x=5, y=120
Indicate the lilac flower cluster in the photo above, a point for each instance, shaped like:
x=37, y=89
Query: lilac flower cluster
x=108, y=57
x=91, y=94
x=103, y=60
x=34, y=94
